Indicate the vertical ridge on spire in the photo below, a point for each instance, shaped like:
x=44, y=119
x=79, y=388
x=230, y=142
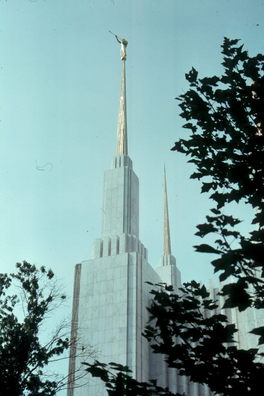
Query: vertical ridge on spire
x=166, y=229
x=122, y=116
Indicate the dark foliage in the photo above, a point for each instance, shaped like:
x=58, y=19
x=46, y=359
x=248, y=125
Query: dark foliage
x=119, y=382
x=26, y=297
x=199, y=342
x=225, y=118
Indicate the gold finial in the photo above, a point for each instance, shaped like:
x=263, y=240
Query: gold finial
x=122, y=115
x=123, y=43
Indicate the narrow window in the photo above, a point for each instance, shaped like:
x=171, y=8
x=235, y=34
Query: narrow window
x=109, y=247
x=101, y=248
x=117, y=245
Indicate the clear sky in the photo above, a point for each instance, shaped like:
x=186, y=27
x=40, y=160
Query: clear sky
x=59, y=91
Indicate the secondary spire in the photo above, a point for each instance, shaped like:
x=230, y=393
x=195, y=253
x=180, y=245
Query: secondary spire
x=166, y=230
x=121, y=148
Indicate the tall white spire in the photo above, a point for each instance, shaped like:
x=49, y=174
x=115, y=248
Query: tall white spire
x=168, y=271
x=166, y=229
x=122, y=116
x=121, y=196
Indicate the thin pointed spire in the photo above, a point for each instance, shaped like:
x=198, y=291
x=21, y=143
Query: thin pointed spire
x=166, y=230
x=121, y=148
x=122, y=116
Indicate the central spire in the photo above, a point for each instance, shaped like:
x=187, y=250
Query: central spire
x=121, y=148
x=121, y=196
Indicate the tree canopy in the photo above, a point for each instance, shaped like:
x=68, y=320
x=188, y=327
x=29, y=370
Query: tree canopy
x=26, y=298
x=225, y=120
x=225, y=117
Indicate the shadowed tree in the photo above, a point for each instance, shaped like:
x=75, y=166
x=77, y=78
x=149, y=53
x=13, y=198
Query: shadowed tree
x=27, y=298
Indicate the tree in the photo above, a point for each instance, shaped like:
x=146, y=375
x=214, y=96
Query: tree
x=225, y=119
x=27, y=298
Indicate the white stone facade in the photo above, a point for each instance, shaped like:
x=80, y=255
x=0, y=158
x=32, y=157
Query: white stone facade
x=110, y=293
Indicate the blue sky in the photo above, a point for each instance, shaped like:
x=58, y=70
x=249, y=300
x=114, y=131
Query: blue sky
x=60, y=78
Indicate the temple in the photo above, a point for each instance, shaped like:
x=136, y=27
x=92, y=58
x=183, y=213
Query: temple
x=110, y=291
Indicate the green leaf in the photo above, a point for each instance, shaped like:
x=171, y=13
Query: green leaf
x=260, y=332
x=237, y=296
x=204, y=248
x=205, y=229
x=192, y=75
x=97, y=370
x=206, y=187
